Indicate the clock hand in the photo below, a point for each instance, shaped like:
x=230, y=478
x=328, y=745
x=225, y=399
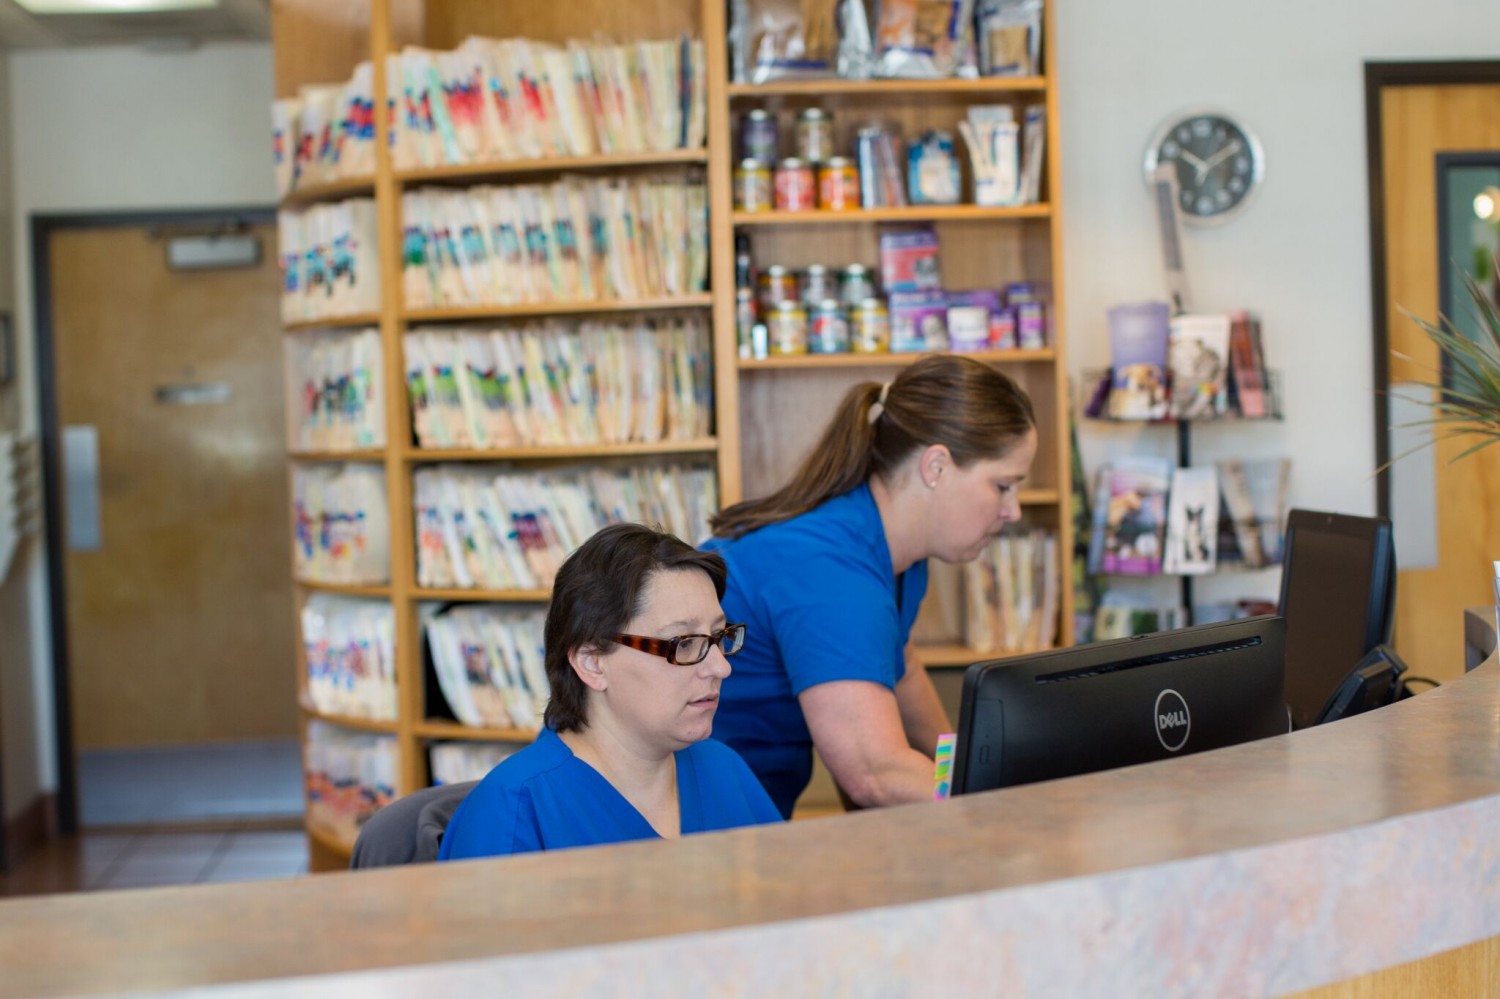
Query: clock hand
x=1221, y=155
x=1200, y=168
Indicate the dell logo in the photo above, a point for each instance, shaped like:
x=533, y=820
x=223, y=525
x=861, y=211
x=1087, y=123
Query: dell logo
x=1172, y=720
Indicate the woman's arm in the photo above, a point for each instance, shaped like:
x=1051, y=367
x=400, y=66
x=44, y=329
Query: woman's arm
x=922, y=713
x=857, y=728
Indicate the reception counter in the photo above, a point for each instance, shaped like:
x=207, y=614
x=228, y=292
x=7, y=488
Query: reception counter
x=1262, y=869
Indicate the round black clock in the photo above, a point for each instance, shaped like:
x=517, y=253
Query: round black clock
x=1218, y=161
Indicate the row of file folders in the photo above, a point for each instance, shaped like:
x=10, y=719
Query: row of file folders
x=487, y=660
x=495, y=100
x=537, y=385
x=352, y=775
x=486, y=527
x=576, y=240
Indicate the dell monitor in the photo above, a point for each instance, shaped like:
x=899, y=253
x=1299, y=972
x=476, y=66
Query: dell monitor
x=1116, y=703
x=1338, y=588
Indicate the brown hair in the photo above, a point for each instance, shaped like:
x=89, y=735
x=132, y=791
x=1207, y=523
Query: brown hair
x=598, y=589
x=972, y=409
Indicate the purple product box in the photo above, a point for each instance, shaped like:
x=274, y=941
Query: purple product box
x=1003, y=329
x=1031, y=325
x=919, y=321
x=987, y=297
x=1019, y=292
x=969, y=315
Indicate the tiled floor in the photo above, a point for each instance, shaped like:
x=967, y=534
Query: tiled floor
x=104, y=860
x=179, y=815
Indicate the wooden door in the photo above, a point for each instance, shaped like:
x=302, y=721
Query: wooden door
x=180, y=621
x=1418, y=124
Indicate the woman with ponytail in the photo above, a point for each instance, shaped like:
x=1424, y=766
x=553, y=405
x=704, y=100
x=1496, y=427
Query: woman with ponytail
x=829, y=571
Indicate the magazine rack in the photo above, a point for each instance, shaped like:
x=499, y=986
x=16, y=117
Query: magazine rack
x=1098, y=380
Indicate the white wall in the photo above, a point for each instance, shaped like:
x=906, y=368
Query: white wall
x=112, y=129
x=1298, y=255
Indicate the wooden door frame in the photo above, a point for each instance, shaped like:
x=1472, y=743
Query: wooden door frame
x=43, y=227
x=1378, y=77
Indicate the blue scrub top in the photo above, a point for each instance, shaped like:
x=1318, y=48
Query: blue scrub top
x=822, y=604
x=545, y=798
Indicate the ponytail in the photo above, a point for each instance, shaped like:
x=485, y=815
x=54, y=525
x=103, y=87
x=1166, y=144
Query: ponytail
x=972, y=409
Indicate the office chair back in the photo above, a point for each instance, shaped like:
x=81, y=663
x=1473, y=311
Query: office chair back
x=1338, y=592
x=409, y=830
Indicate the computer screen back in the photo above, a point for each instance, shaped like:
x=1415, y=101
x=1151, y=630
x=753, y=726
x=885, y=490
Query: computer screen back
x=1337, y=580
x=1117, y=703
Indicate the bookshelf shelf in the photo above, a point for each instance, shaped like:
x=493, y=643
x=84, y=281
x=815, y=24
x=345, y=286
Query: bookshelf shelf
x=1039, y=497
x=345, y=721
x=334, y=322
x=904, y=213
x=347, y=589
x=438, y=729
x=483, y=596
x=551, y=164
x=885, y=89
x=706, y=445
x=330, y=842
x=817, y=361
x=556, y=309
x=353, y=187
x=361, y=455
x=950, y=656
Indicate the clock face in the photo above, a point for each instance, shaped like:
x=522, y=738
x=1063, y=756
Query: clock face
x=1218, y=161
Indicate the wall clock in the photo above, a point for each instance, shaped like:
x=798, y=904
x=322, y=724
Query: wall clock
x=1218, y=160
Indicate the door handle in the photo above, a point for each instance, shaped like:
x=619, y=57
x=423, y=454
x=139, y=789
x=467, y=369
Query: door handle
x=80, y=447
x=194, y=393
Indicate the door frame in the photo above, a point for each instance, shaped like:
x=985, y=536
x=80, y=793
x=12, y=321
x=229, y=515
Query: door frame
x=1378, y=77
x=43, y=226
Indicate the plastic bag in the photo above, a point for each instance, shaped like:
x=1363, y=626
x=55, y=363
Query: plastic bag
x=786, y=39
x=1010, y=37
x=919, y=39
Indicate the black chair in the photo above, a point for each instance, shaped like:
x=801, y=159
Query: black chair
x=409, y=830
x=1338, y=593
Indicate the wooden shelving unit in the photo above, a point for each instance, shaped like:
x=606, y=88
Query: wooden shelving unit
x=765, y=412
x=905, y=213
x=357, y=187
x=706, y=445
x=356, y=319
x=955, y=87
x=513, y=169
x=814, y=362
x=472, y=312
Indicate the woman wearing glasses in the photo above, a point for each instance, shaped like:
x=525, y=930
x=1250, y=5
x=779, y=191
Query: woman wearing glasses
x=829, y=571
x=636, y=648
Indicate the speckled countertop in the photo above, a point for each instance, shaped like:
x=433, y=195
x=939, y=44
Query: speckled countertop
x=1255, y=870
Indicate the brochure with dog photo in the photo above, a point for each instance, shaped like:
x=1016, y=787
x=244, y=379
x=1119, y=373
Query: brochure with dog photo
x=1133, y=496
x=1192, y=522
x=1198, y=352
x=1138, y=360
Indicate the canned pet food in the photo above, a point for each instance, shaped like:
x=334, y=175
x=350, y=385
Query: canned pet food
x=758, y=136
x=777, y=284
x=814, y=135
x=828, y=328
x=795, y=188
x=856, y=283
x=838, y=185
x=871, y=333
x=817, y=284
x=752, y=186
x=788, y=329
